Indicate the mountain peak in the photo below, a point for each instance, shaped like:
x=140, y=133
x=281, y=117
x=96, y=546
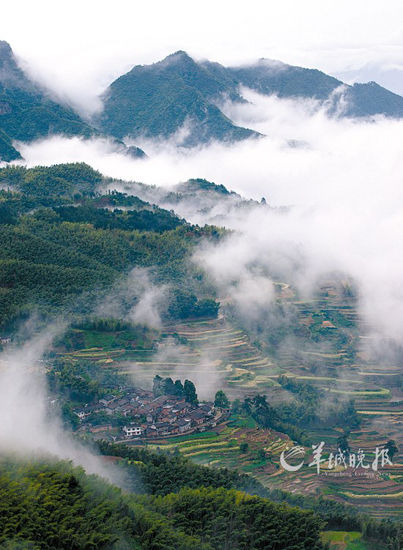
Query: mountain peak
x=7, y=59
x=271, y=63
x=180, y=57
x=11, y=76
x=180, y=54
x=5, y=49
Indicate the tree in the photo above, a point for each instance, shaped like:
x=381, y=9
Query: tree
x=221, y=400
x=392, y=448
x=178, y=388
x=190, y=392
x=343, y=443
x=158, y=385
x=169, y=386
x=243, y=447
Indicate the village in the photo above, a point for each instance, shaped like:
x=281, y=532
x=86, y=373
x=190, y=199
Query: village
x=138, y=413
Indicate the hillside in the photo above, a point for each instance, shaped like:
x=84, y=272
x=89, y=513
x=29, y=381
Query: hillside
x=52, y=506
x=27, y=112
x=198, y=200
x=62, y=238
x=73, y=245
x=157, y=100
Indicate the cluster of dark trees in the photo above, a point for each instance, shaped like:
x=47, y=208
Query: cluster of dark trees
x=185, y=304
x=267, y=416
x=71, y=380
x=53, y=506
x=160, y=473
x=163, y=473
x=166, y=386
x=221, y=400
x=104, y=324
x=308, y=408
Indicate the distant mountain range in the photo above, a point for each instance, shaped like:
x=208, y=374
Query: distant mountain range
x=28, y=111
x=176, y=96
x=198, y=200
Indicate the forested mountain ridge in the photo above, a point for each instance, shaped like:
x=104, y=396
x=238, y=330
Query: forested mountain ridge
x=178, y=98
x=286, y=81
x=63, y=238
x=52, y=506
x=158, y=100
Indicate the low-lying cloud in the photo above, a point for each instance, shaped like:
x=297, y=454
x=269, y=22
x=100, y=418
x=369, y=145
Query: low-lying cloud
x=30, y=424
x=340, y=180
x=136, y=298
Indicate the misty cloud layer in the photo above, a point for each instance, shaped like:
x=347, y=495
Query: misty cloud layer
x=135, y=298
x=339, y=179
x=30, y=422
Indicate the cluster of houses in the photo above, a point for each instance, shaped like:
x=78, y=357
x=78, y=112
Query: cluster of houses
x=149, y=416
x=5, y=340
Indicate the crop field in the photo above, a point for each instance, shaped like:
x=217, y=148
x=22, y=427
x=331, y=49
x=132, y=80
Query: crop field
x=223, y=446
x=346, y=540
x=216, y=354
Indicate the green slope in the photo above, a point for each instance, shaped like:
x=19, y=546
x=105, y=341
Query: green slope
x=65, y=243
x=26, y=112
x=158, y=100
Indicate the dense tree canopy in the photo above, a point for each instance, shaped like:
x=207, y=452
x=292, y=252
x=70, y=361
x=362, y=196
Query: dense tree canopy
x=59, y=242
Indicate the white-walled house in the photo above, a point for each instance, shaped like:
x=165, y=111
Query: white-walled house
x=132, y=431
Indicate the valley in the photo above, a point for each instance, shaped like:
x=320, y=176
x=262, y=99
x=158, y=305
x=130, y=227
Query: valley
x=220, y=352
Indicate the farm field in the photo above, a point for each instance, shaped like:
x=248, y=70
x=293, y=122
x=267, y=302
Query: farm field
x=344, y=540
x=218, y=354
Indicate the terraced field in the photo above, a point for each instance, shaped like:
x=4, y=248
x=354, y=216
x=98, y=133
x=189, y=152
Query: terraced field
x=378, y=400
x=222, y=447
x=210, y=350
x=216, y=354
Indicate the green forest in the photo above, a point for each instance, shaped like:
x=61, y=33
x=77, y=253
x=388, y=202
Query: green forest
x=58, y=244
x=55, y=506
x=167, y=503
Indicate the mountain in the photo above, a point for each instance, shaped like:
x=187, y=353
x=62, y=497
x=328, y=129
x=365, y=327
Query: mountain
x=157, y=100
x=178, y=98
x=372, y=99
x=286, y=81
x=273, y=77
x=27, y=112
x=198, y=200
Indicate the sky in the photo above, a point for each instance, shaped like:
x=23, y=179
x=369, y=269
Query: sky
x=77, y=48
